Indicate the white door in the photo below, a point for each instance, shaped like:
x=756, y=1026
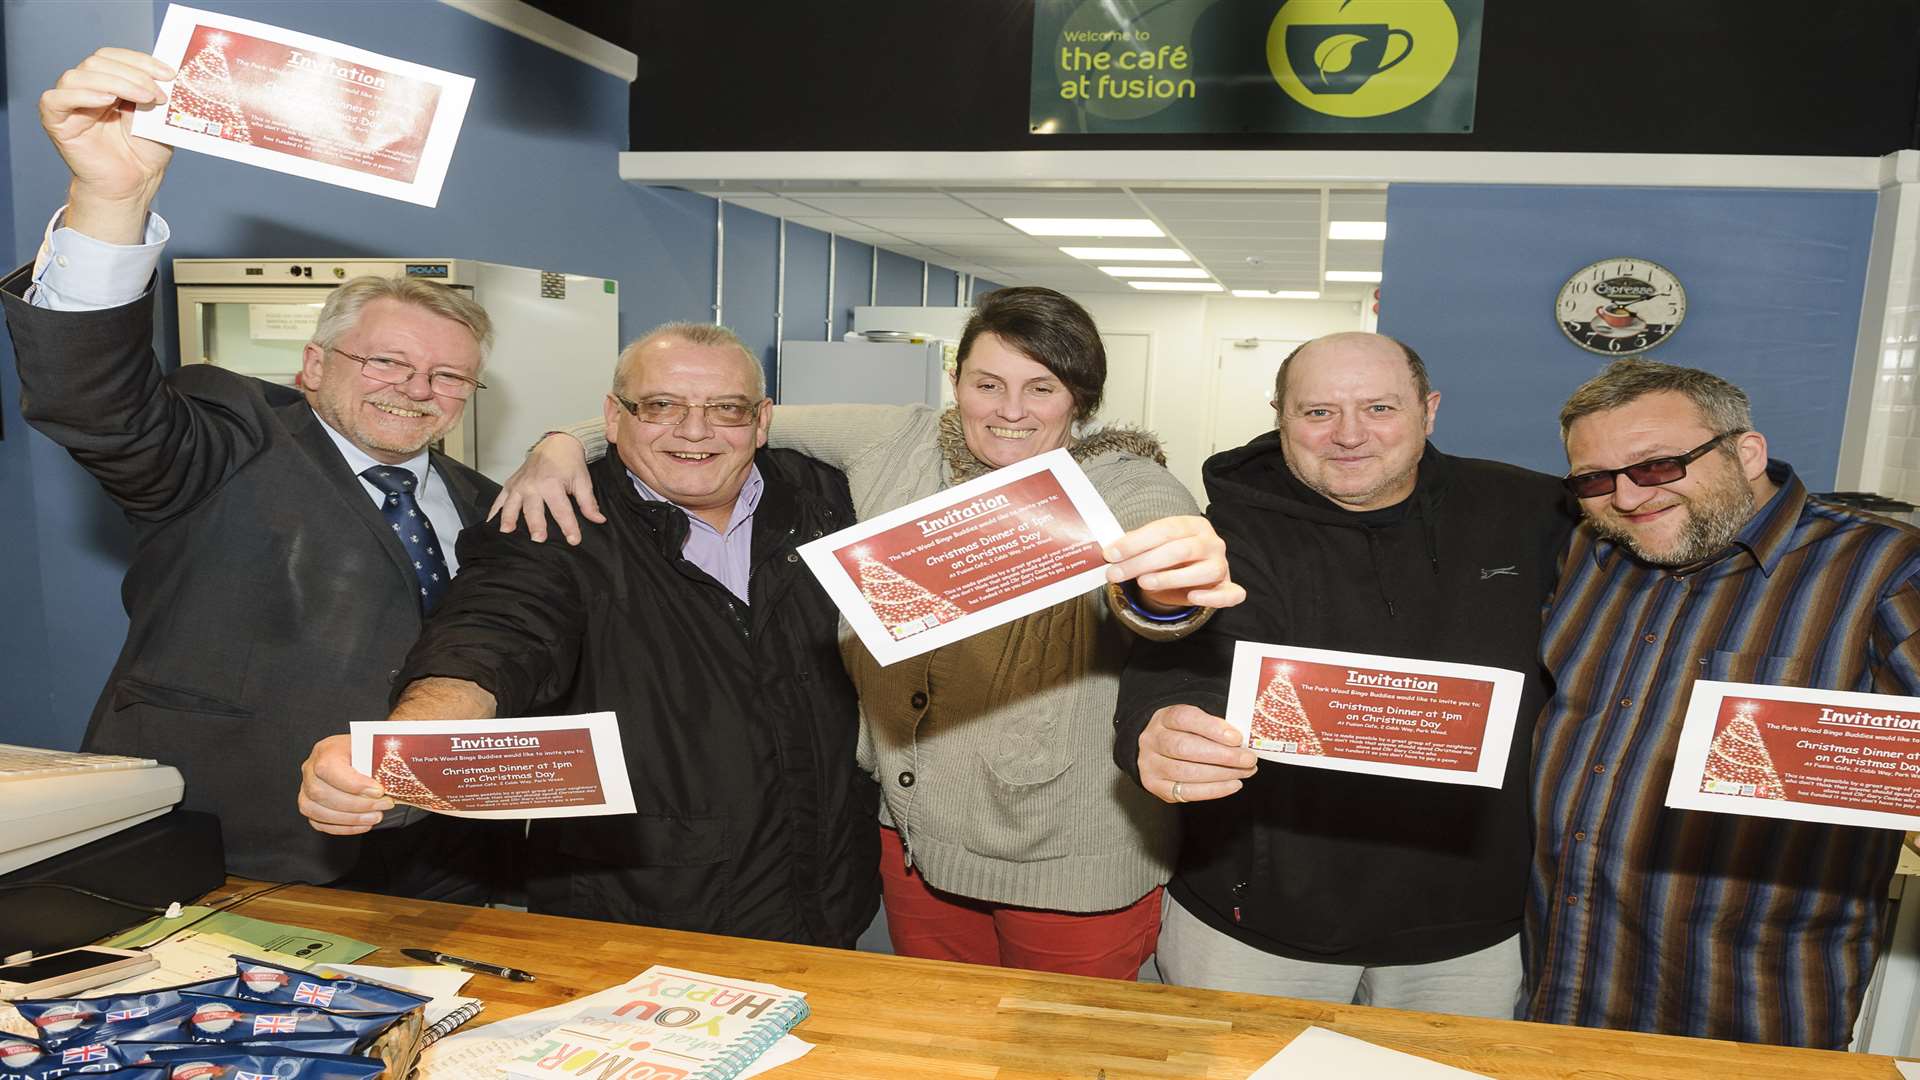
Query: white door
x=1243, y=389
x=1125, y=399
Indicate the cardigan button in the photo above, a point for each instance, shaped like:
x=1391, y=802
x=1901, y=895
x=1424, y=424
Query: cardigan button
x=918, y=700
x=906, y=779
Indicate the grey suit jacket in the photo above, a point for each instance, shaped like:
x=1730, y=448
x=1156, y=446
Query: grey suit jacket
x=269, y=601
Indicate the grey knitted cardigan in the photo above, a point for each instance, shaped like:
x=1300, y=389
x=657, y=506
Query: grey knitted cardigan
x=995, y=754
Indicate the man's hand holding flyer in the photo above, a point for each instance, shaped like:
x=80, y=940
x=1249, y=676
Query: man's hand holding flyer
x=1383, y=715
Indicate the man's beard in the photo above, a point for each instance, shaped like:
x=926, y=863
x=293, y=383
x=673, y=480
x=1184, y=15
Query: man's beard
x=1714, y=518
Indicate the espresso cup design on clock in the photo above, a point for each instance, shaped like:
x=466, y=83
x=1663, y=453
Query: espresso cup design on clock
x=1339, y=58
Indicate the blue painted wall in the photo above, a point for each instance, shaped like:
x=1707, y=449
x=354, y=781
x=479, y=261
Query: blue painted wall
x=1774, y=284
x=852, y=282
x=533, y=183
x=899, y=281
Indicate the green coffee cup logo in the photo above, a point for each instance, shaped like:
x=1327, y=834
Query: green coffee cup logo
x=1358, y=58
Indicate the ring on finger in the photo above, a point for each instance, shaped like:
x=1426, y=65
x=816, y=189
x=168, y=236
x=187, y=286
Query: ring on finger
x=1177, y=795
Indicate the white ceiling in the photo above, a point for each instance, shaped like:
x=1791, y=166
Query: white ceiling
x=1247, y=239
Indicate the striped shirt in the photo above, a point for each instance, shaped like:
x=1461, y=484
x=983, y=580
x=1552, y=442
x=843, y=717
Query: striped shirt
x=1687, y=922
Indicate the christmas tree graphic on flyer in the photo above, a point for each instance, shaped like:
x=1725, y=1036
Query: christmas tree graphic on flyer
x=1738, y=762
x=1279, y=720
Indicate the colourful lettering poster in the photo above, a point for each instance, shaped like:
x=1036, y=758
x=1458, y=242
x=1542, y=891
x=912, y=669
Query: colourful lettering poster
x=1808, y=755
x=303, y=105
x=1384, y=715
x=975, y=556
x=566, y=766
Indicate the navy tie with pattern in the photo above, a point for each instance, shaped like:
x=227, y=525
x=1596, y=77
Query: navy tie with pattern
x=414, y=531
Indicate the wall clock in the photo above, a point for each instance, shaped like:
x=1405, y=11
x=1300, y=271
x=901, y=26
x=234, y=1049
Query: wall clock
x=1616, y=307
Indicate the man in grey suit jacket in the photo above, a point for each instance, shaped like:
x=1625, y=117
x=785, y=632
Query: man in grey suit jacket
x=286, y=537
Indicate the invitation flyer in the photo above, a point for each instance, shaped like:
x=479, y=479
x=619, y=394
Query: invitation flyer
x=307, y=106
x=567, y=766
x=1384, y=715
x=975, y=556
x=1808, y=755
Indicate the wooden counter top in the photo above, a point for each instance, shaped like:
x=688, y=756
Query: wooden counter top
x=886, y=1016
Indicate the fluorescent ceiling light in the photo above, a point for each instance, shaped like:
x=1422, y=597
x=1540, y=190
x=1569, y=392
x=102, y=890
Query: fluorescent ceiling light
x=1278, y=294
x=1129, y=254
x=1353, y=275
x=1356, y=230
x=1155, y=271
x=1087, y=226
x=1176, y=286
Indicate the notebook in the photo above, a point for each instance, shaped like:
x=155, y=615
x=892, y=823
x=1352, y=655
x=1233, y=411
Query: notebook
x=674, y=1022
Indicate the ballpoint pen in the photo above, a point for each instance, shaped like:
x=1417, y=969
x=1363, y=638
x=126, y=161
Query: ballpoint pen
x=429, y=956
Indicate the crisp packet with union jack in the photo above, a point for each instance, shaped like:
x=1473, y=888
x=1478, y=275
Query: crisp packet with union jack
x=22, y=1059
x=63, y=1020
x=139, y=1053
x=265, y=981
x=263, y=1063
x=215, y=1019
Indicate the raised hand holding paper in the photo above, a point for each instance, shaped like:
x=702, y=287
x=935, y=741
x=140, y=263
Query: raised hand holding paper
x=303, y=105
x=565, y=766
x=1384, y=715
x=970, y=558
x=1807, y=755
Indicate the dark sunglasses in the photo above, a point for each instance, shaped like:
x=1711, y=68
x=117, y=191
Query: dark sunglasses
x=1649, y=473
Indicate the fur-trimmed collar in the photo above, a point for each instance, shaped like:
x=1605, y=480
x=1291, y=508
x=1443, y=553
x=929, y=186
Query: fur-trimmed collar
x=962, y=465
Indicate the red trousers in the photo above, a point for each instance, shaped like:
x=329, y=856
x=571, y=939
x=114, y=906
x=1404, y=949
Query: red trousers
x=934, y=925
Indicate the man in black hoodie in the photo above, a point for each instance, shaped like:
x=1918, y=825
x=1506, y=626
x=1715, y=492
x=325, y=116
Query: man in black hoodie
x=1351, y=532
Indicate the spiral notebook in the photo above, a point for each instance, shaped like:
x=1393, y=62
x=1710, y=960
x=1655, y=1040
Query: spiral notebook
x=678, y=1023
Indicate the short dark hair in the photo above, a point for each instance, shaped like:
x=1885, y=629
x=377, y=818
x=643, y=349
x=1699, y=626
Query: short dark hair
x=1049, y=329
x=1422, y=385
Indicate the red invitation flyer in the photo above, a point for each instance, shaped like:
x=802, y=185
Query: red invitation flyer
x=569, y=766
x=299, y=104
x=970, y=558
x=1809, y=755
x=1390, y=716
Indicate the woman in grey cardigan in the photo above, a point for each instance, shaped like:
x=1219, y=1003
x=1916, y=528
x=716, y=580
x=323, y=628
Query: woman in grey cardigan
x=1008, y=835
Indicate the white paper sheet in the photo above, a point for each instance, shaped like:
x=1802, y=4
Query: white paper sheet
x=1320, y=1054
x=538, y=767
x=1382, y=715
x=1831, y=756
x=298, y=104
x=970, y=558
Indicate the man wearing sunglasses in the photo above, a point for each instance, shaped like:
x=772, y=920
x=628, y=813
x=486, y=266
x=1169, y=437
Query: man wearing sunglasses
x=687, y=613
x=271, y=591
x=1700, y=558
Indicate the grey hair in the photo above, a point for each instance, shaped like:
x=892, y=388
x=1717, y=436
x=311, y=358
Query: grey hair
x=707, y=335
x=341, y=313
x=1723, y=407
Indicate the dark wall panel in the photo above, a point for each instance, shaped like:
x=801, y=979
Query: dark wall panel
x=1703, y=76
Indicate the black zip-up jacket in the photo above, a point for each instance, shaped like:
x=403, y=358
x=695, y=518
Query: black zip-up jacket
x=738, y=721
x=1337, y=867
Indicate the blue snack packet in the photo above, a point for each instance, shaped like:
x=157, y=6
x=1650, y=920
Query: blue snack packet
x=263, y=1063
x=20, y=1060
x=63, y=1020
x=214, y=1019
x=264, y=981
x=137, y=1053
